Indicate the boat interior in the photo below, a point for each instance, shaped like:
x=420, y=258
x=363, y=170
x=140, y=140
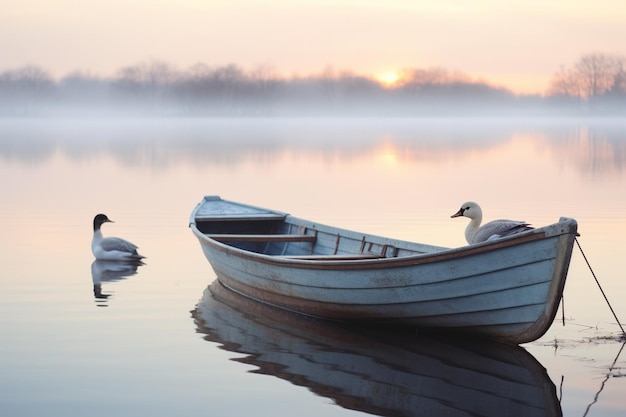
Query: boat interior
x=290, y=237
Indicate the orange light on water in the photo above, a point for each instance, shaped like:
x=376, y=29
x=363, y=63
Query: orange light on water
x=388, y=155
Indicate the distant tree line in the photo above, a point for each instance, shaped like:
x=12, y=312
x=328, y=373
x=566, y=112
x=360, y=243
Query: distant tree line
x=595, y=84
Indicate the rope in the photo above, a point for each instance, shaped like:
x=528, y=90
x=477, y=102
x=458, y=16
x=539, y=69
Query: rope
x=608, y=375
x=599, y=286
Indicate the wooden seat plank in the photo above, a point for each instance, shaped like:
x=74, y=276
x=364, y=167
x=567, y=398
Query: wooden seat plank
x=340, y=257
x=262, y=238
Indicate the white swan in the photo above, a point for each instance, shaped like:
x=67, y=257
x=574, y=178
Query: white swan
x=111, y=248
x=475, y=233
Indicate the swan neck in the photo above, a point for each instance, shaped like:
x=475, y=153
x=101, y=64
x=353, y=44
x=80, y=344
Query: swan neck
x=97, y=234
x=472, y=228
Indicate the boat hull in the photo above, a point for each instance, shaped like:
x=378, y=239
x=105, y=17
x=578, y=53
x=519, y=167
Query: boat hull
x=507, y=289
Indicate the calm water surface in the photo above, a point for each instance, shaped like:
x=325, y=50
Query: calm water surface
x=78, y=339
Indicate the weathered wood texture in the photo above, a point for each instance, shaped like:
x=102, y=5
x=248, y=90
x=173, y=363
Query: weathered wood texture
x=508, y=289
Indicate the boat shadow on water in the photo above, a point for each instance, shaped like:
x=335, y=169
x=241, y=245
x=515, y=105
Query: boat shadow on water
x=378, y=371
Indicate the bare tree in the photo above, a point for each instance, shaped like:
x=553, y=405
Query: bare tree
x=596, y=74
x=618, y=87
x=26, y=89
x=597, y=81
x=30, y=80
x=147, y=84
x=265, y=89
x=265, y=78
x=420, y=78
x=565, y=83
x=149, y=76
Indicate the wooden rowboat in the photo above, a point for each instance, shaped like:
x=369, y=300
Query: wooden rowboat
x=379, y=372
x=508, y=289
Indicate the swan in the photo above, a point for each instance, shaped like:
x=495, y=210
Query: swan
x=475, y=233
x=111, y=248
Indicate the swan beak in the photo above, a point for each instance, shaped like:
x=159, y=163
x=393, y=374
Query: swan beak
x=457, y=214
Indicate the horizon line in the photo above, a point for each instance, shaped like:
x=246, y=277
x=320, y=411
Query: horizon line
x=387, y=79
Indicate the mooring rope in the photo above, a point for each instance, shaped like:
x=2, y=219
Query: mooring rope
x=608, y=375
x=599, y=286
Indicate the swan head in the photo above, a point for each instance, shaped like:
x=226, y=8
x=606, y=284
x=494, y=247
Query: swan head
x=470, y=210
x=99, y=220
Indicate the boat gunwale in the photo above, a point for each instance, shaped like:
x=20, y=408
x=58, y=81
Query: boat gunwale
x=438, y=254
x=408, y=260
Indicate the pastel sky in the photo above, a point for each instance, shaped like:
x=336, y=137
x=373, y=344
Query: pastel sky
x=516, y=44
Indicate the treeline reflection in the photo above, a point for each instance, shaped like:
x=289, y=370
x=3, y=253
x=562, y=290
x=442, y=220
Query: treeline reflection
x=593, y=147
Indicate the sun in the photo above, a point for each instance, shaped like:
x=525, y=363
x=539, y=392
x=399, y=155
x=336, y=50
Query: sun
x=389, y=154
x=388, y=79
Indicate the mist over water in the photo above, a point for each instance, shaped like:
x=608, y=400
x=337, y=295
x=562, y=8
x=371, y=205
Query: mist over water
x=591, y=146
x=82, y=338
x=595, y=86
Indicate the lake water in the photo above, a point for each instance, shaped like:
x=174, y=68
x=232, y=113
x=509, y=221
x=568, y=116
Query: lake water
x=76, y=341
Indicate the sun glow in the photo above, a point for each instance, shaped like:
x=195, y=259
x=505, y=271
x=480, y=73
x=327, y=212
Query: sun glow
x=388, y=154
x=388, y=79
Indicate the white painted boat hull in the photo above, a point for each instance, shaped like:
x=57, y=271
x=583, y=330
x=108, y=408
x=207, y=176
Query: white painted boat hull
x=508, y=289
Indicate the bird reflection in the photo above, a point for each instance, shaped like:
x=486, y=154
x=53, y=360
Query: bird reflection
x=110, y=271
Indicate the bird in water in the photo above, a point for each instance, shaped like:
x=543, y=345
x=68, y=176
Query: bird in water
x=475, y=233
x=111, y=248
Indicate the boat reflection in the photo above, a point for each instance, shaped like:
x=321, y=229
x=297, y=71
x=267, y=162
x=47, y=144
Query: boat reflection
x=110, y=271
x=378, y=371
